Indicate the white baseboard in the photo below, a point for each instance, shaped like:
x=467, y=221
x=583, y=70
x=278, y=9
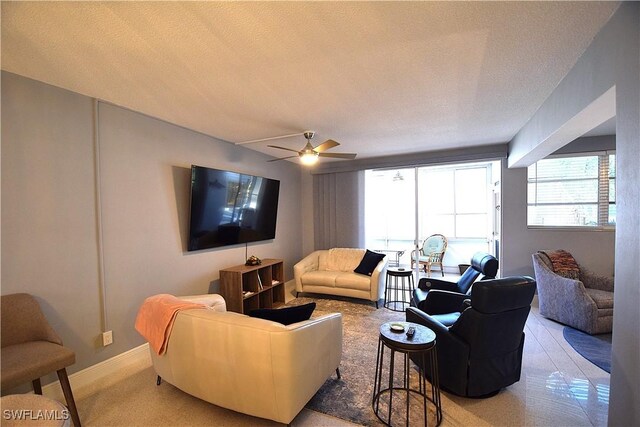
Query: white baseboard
x=102, y=374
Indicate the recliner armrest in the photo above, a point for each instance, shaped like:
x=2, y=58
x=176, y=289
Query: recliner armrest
x=442, y=302
x=427, y=284
x=415, y=315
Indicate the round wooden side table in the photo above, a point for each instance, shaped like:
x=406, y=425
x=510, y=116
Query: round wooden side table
x=398, y=288
x=421, y=345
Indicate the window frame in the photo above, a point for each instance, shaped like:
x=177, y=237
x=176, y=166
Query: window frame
x=603, y=202
x=455, y=213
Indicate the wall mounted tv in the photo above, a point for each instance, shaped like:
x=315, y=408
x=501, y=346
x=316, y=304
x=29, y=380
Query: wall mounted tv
x=228, y=208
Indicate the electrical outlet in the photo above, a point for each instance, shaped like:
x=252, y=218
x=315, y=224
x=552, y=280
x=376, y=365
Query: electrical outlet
x=107, y=338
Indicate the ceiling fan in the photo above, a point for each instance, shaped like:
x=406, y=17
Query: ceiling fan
x=309, y=154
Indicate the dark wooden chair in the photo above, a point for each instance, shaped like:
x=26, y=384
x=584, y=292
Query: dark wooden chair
x=31, y=348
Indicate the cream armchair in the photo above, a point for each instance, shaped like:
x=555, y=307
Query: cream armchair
x=247, y=364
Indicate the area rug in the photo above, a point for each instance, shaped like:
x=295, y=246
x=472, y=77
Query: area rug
x=595, y=348
x=350, y=397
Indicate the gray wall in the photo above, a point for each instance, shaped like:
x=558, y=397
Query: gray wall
x=612, y=60
x=48, y=208
x=592, y=249
x=50, y=222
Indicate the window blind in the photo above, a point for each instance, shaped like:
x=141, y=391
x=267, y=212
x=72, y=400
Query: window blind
x=577, y=191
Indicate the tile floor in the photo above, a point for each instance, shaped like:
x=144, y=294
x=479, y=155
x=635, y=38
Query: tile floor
x=558, y=387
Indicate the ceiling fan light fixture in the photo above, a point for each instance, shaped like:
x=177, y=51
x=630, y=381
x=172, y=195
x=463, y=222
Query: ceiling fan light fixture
x=308, y=158
x=309, y=154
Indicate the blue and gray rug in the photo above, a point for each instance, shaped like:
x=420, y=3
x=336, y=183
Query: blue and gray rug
x=350, y=397
x=595, y=348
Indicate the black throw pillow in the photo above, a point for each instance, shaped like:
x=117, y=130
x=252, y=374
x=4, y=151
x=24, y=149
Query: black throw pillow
x=287, y=315
x=369, y=262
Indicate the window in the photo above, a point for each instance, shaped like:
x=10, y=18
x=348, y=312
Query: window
x=576, y=191
x=404, y=206
x=457, y=201
x=389, y=208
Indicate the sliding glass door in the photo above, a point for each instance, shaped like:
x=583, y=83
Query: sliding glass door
x=456, y=201
x=405, y=206
x=390, y=212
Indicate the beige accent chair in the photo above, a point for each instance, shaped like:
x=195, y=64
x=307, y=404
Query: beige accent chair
x=331, y=272
x=31, y=348
x=249, y=365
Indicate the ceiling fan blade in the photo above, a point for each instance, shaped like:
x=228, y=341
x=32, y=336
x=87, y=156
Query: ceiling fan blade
x=329, y=143
x=281, y=158
x=283, y=148
x=347, y=156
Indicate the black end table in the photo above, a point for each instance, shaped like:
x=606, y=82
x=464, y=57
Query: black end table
x=423, y=345
x=398, y=288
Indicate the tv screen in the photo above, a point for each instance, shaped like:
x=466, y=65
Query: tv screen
x=228, y=208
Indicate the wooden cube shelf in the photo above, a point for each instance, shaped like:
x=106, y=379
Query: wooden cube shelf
x=249, y=287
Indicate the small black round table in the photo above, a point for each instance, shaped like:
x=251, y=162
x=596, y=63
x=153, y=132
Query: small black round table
x=398, y=288
x=422, y=346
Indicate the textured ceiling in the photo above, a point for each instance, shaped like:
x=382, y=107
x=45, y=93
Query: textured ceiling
x=379, y=77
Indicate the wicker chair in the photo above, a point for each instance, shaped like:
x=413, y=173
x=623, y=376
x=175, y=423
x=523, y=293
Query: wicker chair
x=585, y=303
x=431, y=253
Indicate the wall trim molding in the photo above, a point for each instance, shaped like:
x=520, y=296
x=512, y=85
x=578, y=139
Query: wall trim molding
x=102, y=374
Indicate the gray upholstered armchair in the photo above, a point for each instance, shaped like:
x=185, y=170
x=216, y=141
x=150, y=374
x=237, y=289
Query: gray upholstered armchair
x=585, y=303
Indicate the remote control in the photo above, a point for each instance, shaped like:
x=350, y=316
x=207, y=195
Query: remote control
x=411, y=332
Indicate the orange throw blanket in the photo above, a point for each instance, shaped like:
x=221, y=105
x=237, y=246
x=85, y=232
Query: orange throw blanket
x=155, y=319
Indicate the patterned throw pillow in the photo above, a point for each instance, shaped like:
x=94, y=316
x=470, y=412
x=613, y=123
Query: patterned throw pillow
x=564, y=264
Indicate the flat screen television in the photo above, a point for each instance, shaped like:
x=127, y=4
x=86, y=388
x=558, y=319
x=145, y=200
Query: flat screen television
x=229, y=208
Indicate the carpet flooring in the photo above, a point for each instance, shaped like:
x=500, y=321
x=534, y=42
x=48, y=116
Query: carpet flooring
x=350, y=397
x=595, y=348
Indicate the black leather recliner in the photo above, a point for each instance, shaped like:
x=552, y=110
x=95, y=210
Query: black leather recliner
x=482, y=351
x=434, y=296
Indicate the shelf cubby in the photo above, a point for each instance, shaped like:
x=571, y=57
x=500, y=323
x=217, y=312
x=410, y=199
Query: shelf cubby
x=235, y=281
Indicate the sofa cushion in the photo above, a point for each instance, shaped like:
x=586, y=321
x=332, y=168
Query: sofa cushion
x=603, y=299
x=369, y=262
x=353, y=281
x=605, y=312
x=319, y=278
x=287, y=315
x=340, y=259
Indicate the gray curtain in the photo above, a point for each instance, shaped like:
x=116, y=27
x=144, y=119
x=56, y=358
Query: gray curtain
x=338, y=210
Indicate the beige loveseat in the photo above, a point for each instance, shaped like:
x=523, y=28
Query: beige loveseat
x=331, y=272
x=249, y=365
